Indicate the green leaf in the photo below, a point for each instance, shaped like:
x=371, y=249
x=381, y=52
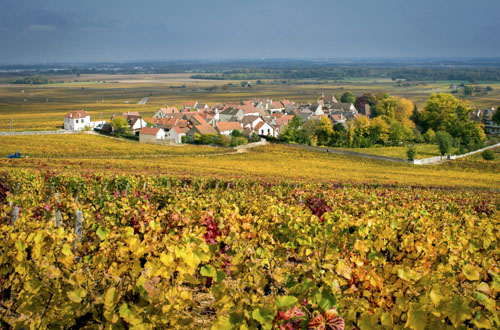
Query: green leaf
x=264, y=316
x=102, y=232
x=208, y=271
x=458, y=311
x=325, y=300
x=220, y=276
x=417, y=318
x=286, y=301
x=408, y=274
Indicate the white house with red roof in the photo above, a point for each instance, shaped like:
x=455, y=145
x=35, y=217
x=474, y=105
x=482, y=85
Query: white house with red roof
x=176, y=134
x=264, y=129
x=151, y=134
x=164, y=112
x=227, y=127
x=78, y=120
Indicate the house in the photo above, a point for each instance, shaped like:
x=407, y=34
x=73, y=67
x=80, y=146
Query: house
x=226, y=128
x=250, y=110
x=164, y=112
x=176, y=134
x=343, y=107
x=317, y=109
x=230, y=114
x=197, y=119
x=136, y=122
x=201, y=129
x=151, y=134
x=338, y=118
x=250, y=121
x=169, y=123
x=264, y=129
x=188, y=105
x=201, y=106
x=78, y=120
x=490, y=127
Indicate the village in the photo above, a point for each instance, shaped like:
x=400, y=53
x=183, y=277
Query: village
x=251, y=118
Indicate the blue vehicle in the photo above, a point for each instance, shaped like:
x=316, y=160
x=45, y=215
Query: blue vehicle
x=17, y=154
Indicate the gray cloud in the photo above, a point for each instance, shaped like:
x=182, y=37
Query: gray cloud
x=94, y=30
x=41, y=28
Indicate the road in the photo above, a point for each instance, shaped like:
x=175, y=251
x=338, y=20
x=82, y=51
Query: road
x=143, y=101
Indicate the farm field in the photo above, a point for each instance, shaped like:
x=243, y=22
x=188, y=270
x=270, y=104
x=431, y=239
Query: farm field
x=423, y=151
x=271, y=163
x=159, y=252
x=42, y=107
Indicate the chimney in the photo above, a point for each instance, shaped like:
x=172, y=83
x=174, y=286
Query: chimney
x=71, y=115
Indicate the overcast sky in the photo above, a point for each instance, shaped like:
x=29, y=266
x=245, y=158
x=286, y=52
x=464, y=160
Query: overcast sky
x=35, y=31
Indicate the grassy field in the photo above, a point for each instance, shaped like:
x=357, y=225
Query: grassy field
x=270, y=163
x=42, y=107
x=423, y=151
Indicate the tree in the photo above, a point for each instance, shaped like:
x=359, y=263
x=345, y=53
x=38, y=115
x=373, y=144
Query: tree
x=395, y=109
x=348, y=97
x=291, y=131
x=468, y=90
x=430, y=136
x=324, y=131
x=444, y=142
x=379, y=130
x=399, y=133
x=444, y=112
x=411, y=152
x=120, y=125
x=496, y=116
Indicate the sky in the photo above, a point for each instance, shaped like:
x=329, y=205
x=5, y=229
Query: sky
x=34, y=31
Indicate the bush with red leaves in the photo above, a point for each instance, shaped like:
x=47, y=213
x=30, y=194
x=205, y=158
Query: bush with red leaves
x=4, y=187
x=318, y=207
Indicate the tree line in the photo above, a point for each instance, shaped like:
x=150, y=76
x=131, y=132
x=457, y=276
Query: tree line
x=395, y=121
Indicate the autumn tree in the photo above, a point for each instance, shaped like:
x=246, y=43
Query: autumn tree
x=444, y=112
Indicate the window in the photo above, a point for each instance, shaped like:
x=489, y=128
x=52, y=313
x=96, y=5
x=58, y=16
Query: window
x=268, y=131
x=76, y=121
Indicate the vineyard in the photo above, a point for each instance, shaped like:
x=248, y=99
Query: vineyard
x=108, y=251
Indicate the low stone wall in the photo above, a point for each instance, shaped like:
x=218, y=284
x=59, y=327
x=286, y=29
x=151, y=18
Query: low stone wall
x=262, y=142
x=424, y=161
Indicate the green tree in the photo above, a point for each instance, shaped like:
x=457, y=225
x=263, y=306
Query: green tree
x=444, y=112
x=496, y=116
x=291, y=130
x=348, y=97
x=399, y=133
x=444, y=142
x=120, y=125
x=468, y=90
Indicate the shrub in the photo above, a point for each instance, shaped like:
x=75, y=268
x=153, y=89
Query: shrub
x=238, y=141
x=488, y=155
x=411, y=153
x=222, y=140
x=444, y=141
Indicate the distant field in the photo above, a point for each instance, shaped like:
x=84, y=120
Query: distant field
x=85, y=153
x=42, y=107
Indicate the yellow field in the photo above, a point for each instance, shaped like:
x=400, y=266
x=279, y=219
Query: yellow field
x=423, y=151
x=82, y=153
x=42, y=107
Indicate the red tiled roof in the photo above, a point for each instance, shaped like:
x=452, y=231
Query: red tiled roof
x=189, y=104
x=77, y=114
x=130, y=113
x=228, y=126
x=248, y=108
x=205, y=129
x=199, y=119
x=169, y=110
x=181, y=130
x=149, y=131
